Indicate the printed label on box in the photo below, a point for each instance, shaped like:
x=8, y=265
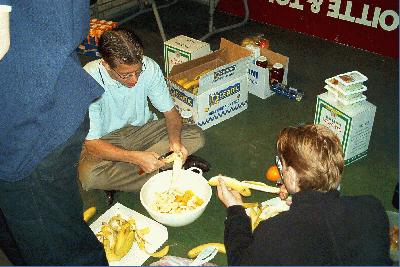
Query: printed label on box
x=335, y=120
x=352, y=124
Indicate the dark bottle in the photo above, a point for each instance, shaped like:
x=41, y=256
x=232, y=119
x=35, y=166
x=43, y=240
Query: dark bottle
x=262, y=62
x=276, y=73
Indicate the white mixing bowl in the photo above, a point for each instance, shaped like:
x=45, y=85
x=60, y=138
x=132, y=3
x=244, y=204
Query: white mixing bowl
x=186, y=180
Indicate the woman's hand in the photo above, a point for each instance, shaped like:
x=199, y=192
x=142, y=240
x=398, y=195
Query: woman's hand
x=284, y=194
x=227, y=196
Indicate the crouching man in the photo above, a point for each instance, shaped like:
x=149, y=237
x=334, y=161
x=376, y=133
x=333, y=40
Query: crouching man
x=125, y=138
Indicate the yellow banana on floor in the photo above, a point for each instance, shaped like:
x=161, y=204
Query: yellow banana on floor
x=195, y=251
x=231, y=183
x=87, y=214
x=161, y=253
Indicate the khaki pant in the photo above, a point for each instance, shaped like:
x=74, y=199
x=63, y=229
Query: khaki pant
x=96, y=173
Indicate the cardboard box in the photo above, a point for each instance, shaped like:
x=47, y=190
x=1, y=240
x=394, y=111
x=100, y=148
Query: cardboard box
x=182, y=49
x=259, y=77
x=353, y=124
x=222, y=92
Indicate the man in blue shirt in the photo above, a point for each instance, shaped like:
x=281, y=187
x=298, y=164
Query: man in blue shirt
x=125, y=137
x=45, y=95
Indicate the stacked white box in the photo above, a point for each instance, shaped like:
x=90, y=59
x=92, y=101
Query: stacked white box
x=352, y=124
x=347, y=88
x=182, y=49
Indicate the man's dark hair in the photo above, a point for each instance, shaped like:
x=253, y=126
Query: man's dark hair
x=120, y=46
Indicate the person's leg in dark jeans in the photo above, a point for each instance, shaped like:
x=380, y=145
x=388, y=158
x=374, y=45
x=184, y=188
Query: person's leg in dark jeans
x=44, y=212
x=7, y=243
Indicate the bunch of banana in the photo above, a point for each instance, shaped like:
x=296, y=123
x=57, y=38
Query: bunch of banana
x=192, y=85
x=118, y=236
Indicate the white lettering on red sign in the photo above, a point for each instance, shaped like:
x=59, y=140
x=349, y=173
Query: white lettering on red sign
x=388, y=20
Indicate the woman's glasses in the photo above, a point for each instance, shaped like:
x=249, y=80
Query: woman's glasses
x=278, y=163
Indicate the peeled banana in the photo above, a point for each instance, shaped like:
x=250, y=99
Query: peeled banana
x=195, y=251
x=231, y=183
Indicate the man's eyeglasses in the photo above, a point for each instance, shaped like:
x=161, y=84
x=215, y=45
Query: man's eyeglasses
x=280, y=169
x=126, y=76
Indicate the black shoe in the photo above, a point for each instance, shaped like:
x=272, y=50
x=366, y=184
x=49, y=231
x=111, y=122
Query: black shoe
x=109, y=196
x=195, y=161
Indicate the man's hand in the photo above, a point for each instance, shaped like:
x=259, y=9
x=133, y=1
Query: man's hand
x=227, y=196
x=148, y=161
x=179, y=148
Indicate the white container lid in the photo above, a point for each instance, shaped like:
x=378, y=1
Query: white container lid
x=277, y=66
x=186, y=114
x=262, y=58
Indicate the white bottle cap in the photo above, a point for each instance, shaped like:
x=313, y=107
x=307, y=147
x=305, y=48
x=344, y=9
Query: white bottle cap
x=277, y=66
x=186, y=114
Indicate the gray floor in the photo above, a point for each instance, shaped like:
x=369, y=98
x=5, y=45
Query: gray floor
x=312, y=60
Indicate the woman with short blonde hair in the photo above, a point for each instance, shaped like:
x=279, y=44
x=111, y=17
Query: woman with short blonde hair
x=321, y=227
x=315, y=152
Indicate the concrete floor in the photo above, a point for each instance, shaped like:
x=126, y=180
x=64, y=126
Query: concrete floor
x=244, y=145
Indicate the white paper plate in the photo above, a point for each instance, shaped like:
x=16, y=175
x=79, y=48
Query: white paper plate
x=157, y=236
x=271, y=207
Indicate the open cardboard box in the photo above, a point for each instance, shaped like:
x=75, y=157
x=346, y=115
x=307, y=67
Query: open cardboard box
x=222, y=91
x=259, y=77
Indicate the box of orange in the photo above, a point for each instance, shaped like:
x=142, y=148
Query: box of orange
x=89, y=47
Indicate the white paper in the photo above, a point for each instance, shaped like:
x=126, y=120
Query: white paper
x=157, y=236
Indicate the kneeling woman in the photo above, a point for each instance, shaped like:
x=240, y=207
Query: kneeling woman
x=322, y=227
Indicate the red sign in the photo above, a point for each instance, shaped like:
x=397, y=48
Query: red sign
x=366, y=24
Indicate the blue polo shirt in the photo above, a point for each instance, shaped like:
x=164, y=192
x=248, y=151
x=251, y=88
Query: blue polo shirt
x=120, y=105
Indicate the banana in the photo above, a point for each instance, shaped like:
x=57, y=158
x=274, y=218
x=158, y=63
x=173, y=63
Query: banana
x=231, y=183
x=110, y=255
x=127, y=244
x=202, y=73
x=182, y=81
x=121, y=237
x=250, y=204
x=190, y=84
x=161, y=253
x=195, y=251
x=87, y=214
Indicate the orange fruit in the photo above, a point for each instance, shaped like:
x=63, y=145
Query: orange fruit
x=273, y=174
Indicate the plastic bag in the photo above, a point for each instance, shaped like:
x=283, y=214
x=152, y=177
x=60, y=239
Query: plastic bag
x=176, y=261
